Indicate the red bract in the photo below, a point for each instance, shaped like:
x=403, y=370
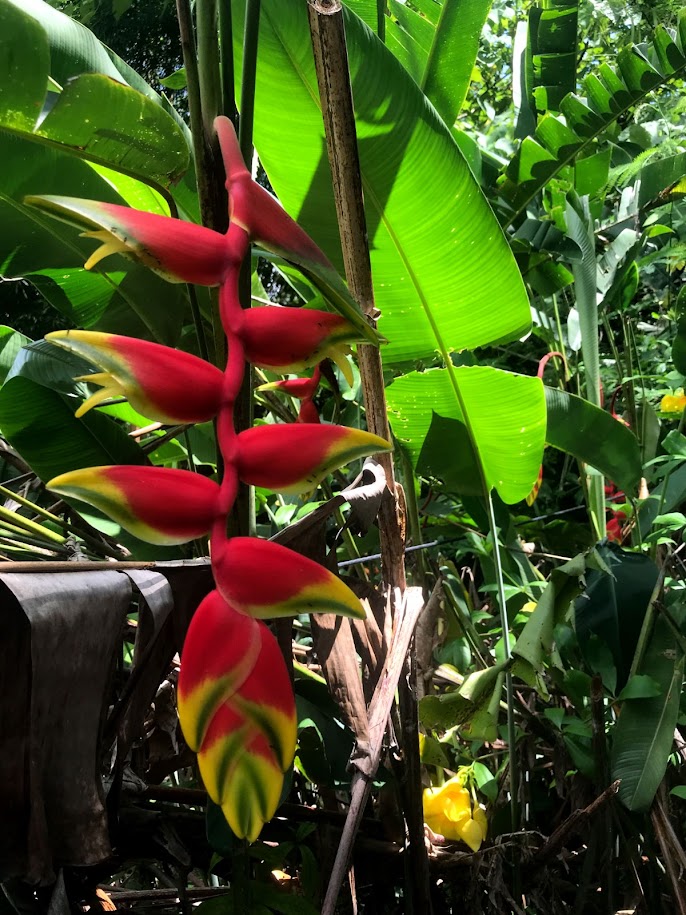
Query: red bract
x=302, y=388
x=615, y=526
x=157, y=504
x=265, y=579
x=295, y=387
x=219, y=653
x=165, y=384
x=295, y=458
x=181, y=252
x=289, y=340
x=255, y=210
x=308, y=413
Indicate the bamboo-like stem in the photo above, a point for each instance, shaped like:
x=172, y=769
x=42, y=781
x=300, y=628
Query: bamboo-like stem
x=331, y=62
x=200, y=148
x=60, y=522
x=228, y=101
x=326, y=24
x=207, y=20
x=32, y=527
x=247, y=112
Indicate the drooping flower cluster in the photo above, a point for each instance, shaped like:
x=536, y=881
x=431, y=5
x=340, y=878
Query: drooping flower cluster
x=236, y=704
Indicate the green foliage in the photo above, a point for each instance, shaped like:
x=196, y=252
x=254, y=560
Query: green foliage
x=609, y=95
x=577, y=647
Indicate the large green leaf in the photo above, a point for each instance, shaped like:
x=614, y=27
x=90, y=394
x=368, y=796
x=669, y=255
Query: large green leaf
x=614, y=605
x=658, y=175
x=644, y=733
x=535, y=643
x=24, y=63
x=445, y=278
x=115, y=125
x=436, y=42
x=94, y=115
x=594, y=437
x=11, y=342
x=679, y=343
x=507, y=421
x=74, y=49
x=552, y=47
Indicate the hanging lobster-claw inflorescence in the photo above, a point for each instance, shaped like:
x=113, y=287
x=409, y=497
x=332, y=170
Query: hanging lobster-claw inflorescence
x=236, y=704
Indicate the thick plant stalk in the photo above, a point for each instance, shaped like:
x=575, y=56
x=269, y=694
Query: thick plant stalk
x=208, y=66
x=326, y=23
x=328, y=40
x=509, y=691
x=208, y=173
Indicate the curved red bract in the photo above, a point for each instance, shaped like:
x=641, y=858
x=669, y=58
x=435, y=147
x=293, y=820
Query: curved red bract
x=295, y=458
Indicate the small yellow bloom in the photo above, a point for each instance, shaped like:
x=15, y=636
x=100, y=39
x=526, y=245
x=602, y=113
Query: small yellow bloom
x=451, y=811
x=673, y=403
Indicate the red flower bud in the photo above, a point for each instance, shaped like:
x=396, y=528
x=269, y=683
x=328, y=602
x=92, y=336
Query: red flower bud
x=255, y=210
x=181, y=252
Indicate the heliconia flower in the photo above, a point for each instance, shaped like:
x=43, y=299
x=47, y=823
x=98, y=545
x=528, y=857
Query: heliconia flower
x=264, y=579
x=300, y=388
x=451, y=812
x=614, y=527
x=255, y=210
x=165, y=384
x=181, y=252
x=156, y=504
x=294, y=458
x=237, y=711
x=304, y=389
x=289, y=340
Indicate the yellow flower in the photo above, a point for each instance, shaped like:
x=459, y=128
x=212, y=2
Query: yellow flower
x=673, y=403
x=451, y=811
